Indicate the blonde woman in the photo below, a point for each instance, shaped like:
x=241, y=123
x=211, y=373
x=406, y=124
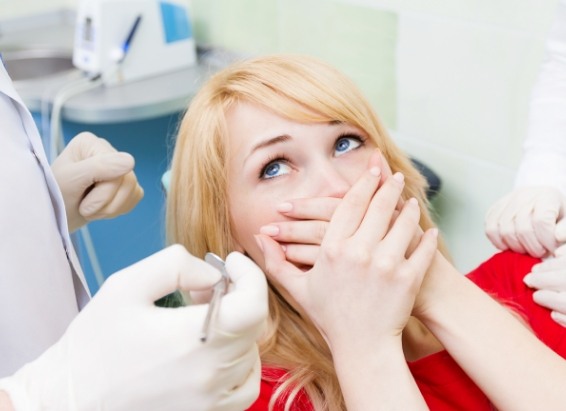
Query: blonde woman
x=280, y=157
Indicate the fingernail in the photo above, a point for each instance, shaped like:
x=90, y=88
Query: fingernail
x=376, y=171
x=270, y=230
x=259, y=243
x=285, y=207
x=399, y=177
x=434, y=232
x=413, y=201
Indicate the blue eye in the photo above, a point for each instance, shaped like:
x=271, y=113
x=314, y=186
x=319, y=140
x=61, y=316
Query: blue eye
x=345, y=144
x=274, y=168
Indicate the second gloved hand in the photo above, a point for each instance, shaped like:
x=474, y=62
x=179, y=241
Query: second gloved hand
x=123, y=353
x=525, y=220
x=96, y=180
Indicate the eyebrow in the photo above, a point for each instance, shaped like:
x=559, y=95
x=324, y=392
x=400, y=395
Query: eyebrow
x=270, y=142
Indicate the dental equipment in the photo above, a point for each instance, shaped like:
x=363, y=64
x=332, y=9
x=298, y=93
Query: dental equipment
x=220, y=288
x=154, y=35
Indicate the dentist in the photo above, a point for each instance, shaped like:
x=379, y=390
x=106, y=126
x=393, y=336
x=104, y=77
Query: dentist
x=119, y=351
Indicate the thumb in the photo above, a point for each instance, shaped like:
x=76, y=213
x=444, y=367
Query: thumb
x=162, y=273
x=278, y=269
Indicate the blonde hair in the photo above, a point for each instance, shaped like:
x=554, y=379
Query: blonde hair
x=302, y=89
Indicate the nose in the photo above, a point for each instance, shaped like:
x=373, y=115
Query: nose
x=329, y=181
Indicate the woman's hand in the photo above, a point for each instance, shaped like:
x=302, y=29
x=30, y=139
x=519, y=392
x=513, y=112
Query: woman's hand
x=301, y=237
x=362, y=265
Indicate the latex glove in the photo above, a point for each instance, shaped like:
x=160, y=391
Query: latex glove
x=549, y=278
x=124, y=353
x=525, y=220
x=96, y=180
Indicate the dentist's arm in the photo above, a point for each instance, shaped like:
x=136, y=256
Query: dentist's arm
x=96, y=180
x=124, y=353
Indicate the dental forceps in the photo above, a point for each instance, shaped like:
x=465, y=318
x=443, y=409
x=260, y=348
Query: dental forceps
x=220, y=288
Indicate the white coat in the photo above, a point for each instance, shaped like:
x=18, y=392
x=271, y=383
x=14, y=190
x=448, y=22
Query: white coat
x=41, y=284
x=544, y=159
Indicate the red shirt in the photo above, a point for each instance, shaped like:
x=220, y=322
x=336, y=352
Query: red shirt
x=442, y=382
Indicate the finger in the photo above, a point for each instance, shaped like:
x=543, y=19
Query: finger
x=397, y=240
x=547, y=280
x=105, y=167
x=318, y=208
x=162, y=273
x=552, y=300
x=560, y=232
x=245, y=306
x=509, y=235
x=380, y=212
x=87, y=144
x=526, y=234
x=492, y=224
x=128, y=195
x=301, y=254
x=303, y=232
x=545, y=215
x=560, y=318
x=279, y=270
x=560, y=251
x=421, y=258
x=352, y=209
x=550, y=264
x=98, y=197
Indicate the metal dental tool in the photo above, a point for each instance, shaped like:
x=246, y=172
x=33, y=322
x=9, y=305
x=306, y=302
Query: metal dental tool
x=220, y=288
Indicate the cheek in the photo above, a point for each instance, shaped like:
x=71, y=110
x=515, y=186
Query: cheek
x=247, y=218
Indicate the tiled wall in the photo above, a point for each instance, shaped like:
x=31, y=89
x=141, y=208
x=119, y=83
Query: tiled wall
x=450, y=78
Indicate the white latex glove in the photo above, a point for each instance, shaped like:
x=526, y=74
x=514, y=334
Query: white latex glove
x=124, y=353
x=525, y=220
x=96, y=180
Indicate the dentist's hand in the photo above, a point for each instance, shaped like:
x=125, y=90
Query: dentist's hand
x=549, y=278
x=124, y=353
x=96, y=180
x=525, y=220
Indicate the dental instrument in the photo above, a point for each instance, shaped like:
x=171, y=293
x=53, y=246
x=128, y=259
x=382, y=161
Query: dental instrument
x=220, y=289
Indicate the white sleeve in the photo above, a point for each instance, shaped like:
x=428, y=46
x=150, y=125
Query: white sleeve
x=544, y=157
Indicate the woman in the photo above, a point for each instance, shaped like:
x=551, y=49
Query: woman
x=276, y=157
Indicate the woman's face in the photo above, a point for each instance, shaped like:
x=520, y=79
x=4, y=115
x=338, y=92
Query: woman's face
x=272, y=160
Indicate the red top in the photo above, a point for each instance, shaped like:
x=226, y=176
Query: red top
x=442, y=382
